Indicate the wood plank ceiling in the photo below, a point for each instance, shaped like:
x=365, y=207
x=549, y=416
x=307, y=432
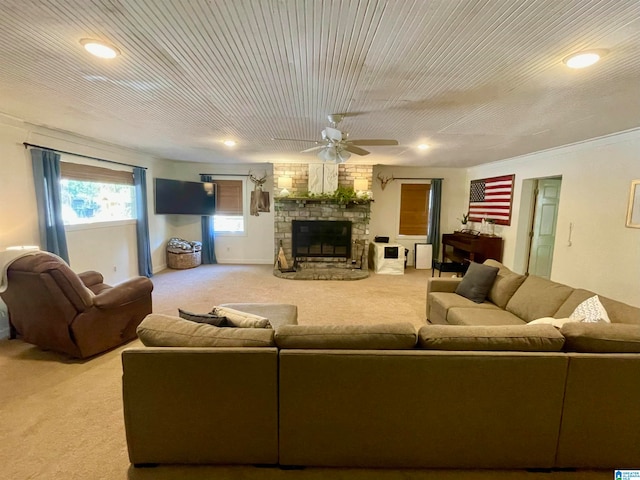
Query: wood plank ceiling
x=477, y=80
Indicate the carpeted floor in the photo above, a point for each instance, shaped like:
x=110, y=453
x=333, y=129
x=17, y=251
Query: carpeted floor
x=62, y=418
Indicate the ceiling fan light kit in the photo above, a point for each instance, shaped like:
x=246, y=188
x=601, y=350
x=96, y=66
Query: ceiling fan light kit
x=332, y=153
x=335, y=145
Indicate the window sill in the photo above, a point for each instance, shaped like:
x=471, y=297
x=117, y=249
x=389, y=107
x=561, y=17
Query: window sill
x=230, y=234
x=91, y=226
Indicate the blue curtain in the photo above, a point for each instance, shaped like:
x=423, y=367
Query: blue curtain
x=46, y=176
x=142, y=222
x=433, y=233
x=208, y=238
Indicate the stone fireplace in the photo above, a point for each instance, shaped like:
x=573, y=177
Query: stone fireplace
x=299, y=207
x=302, y=211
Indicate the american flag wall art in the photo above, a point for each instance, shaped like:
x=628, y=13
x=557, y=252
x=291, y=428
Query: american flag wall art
x=490, y=198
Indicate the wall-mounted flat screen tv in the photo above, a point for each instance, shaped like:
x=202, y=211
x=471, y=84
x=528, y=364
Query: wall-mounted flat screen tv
x=184, y=198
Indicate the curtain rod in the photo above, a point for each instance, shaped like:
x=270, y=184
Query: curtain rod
x=226, y=174
x=26, y=145
x=417, y=178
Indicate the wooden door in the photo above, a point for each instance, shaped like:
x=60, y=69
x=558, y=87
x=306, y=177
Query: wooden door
x=543, y=231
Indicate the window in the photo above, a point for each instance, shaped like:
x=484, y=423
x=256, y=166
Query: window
x=94, y=194
x=229, y=217
x=414, y=208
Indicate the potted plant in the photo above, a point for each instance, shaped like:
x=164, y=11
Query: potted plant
x=463, y=221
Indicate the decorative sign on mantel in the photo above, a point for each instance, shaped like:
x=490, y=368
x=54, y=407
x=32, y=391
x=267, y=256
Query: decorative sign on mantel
x=323, y=178
x=491, y=199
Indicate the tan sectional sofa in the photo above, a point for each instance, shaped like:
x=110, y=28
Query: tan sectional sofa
x=514, y=300
x=380, y=396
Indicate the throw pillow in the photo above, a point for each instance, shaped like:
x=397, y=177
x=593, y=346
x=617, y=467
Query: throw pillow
x=556, y=322
x=477, y=282
x=236, y=318
x=591, y=311
x=209, y=318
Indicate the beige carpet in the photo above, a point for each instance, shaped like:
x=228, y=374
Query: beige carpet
x=62, y=419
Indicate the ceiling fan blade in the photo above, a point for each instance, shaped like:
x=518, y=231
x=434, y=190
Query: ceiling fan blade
x=357, y=150
x=373, y=142
x=294, y=140
x=313, y=149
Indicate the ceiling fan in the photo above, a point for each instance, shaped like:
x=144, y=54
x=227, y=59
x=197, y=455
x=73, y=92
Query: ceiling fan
x=335, y=145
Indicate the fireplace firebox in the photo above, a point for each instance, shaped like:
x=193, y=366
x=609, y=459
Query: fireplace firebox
x=321, y=238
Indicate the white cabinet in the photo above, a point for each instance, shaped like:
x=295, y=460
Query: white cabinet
x=386, y=258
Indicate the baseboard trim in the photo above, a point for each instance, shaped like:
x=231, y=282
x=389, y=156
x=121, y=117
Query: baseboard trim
x=244, y=261
x=159, y=268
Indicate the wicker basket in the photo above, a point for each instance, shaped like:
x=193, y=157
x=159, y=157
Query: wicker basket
x=184, y=260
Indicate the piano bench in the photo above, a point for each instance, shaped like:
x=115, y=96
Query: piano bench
x=448, y=267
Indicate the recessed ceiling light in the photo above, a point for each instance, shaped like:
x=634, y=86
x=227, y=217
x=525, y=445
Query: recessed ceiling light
x=584, y=59
x=99, y=48
x=423, y=146
x=229, y=143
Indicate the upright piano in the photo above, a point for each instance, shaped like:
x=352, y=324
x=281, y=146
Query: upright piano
x=461, y=248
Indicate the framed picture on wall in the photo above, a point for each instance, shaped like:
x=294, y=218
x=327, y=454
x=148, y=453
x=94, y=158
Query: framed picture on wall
x=491, y=199
x=633, y=211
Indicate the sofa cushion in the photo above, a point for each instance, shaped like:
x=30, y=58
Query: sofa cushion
x=392, y=336
x=277, y=313
x=237, y=318
x=618, y=312
x=522, y=338
x=590, y=311
x=482, y=316
x=477, y=282
x=537, y=297
x=505, y=284
x=601, y=337
x=158, y=330
x=209, y=318
x=578, y=296
x=439, y=304
x=556, y=322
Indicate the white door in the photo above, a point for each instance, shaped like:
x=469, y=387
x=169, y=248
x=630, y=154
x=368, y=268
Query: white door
x=543, y=231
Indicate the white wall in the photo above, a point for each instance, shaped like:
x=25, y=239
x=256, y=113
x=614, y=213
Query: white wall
x=385, y=210
x=107, y=248
x=18, y=219
x=256, y=246
x=596, y=177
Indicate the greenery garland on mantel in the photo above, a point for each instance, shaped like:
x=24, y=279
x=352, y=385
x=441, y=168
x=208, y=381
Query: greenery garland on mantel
x=342, y=196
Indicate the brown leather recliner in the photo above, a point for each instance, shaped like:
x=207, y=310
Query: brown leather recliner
x=53, y=307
